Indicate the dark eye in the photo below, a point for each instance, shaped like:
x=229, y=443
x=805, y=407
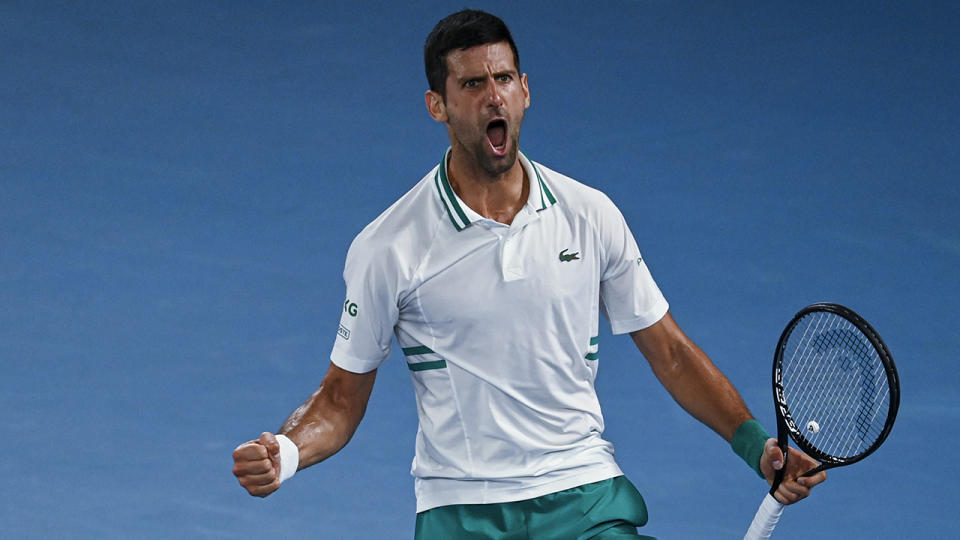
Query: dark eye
x=472, y=83
x=504, y=77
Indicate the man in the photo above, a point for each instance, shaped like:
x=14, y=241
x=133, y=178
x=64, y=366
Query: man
x=492, y=272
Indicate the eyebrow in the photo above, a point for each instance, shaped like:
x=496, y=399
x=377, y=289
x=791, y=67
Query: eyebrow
x=495, y=74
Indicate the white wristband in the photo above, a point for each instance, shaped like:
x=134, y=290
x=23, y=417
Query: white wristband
x=289, y=457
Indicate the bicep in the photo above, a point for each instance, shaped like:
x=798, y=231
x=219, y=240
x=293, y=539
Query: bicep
x=346, y=390
x=663, y=344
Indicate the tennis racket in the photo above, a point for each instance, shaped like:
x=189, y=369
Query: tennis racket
x=835, y=392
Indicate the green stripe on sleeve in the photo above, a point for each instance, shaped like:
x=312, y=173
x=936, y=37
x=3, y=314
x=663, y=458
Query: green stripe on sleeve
x=424, y=366
x=414, y=351
x=593, y=355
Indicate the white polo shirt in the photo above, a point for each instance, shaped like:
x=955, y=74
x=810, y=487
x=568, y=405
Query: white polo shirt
x=499, y=327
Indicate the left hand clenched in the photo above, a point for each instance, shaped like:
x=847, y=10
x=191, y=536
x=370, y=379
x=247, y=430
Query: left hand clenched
x=794, y=486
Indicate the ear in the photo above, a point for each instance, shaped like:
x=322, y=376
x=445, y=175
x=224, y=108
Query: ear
x=526, y=91
x=435, y=106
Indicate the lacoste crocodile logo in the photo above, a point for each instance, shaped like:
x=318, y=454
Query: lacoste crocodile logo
x=567, y=257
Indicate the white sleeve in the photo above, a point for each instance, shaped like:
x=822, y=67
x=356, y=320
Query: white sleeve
x=370, y=310
x=629, y=298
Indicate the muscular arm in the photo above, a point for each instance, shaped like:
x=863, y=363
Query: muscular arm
x=320, y=428
x=327, y=421
x=703, y=391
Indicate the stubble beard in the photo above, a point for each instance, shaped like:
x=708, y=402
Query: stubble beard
x=495, y=166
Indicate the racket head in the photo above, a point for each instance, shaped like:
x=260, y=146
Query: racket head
x=835, y=385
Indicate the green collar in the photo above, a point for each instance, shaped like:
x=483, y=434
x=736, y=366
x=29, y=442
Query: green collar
x=540, y=200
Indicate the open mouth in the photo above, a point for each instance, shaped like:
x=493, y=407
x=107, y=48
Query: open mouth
x=497, y=135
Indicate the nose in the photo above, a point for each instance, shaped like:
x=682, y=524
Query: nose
x=495, y=97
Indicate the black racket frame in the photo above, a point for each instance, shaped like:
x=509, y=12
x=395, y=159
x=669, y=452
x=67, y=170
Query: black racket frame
x=785, y=423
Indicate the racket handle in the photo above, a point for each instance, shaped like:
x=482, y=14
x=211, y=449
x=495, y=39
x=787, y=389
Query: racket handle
x=766, y=519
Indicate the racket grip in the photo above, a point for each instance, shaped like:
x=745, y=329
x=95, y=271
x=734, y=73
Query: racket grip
x=766, y=519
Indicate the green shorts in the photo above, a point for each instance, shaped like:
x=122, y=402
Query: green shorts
x=609, y=509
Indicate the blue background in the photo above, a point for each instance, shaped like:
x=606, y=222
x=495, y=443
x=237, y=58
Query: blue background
x=179, y=183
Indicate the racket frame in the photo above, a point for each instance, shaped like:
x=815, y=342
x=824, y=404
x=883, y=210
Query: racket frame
x=767, y=516
x=785, y=422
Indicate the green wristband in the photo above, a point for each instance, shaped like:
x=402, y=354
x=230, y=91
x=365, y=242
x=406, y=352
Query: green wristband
x=748, y=442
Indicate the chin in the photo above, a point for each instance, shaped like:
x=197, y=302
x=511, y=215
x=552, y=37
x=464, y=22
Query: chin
x=499, y=165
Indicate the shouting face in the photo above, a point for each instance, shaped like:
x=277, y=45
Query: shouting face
x=484, y=105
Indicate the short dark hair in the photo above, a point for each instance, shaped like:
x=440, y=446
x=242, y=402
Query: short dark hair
x=462, y=30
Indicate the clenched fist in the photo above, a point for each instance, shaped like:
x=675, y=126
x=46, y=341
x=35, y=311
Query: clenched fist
x=256, y=464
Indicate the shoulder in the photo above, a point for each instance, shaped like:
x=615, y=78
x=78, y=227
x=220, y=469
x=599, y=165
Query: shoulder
x=575, y=196
x=403, y=230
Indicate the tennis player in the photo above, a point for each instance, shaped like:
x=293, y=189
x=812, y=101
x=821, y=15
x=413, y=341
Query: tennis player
x=492, y=272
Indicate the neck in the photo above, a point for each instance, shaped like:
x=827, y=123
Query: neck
x=498, y=197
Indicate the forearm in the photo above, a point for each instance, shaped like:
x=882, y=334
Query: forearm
x=326, y=422
x=318, y=430
x=703, y=391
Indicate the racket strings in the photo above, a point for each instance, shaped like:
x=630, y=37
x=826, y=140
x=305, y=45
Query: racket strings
x=834, y=385
x=859, y=382
x=851, y=389
x=827, y=343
